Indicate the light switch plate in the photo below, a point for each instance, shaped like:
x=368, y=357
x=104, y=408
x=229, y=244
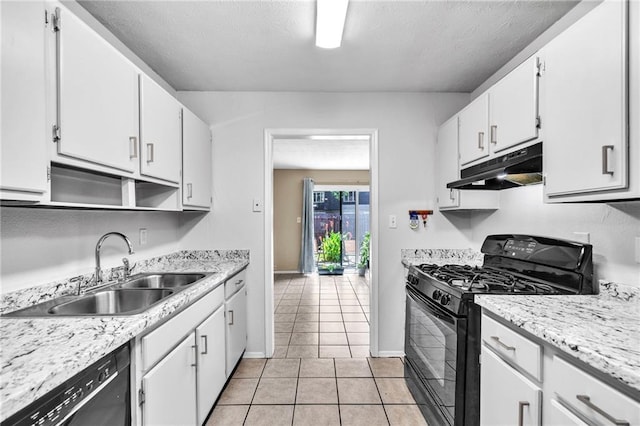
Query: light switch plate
x=257, y=205
x=298, y=220
x=393, y=221
x=143, y=236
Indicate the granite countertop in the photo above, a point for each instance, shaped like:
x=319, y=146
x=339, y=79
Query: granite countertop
x=601, y=330
x=38, y=354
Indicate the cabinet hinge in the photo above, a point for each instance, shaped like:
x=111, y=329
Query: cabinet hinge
x=538, y=122
x=141, y=396
x=48, y=173
x=544, y=180
x=55, y=20
x=55, y=133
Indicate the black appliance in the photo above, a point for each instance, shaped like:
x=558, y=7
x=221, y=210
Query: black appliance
x=442, y=332
x=517, y=168
x=99, y=396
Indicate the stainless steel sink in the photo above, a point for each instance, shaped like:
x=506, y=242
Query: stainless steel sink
x=165, y=280
x=112, y=302
x=131, y=297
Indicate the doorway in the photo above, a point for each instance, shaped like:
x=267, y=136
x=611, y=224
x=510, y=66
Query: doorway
x=272, y=136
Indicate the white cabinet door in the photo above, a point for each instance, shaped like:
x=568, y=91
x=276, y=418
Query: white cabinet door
x=236, y=327
x=506, y=396
x=473, y=125
x=447, y=164
x=584, y=109
x=196, y=161
x=170, y=388
x=98, y=98
x=211, y=362
x=513, y=107
x=23, y=152
x=160, y=132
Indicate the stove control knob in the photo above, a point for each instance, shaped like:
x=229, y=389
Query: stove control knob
x=436, y=294
x=445, y=299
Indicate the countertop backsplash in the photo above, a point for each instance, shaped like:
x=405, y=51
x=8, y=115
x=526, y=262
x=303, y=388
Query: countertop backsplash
x=30, y=296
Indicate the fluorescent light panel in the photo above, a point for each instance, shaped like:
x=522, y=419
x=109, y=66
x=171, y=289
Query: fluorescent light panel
x=330, y=17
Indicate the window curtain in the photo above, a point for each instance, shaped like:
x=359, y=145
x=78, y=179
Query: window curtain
x=307, y=262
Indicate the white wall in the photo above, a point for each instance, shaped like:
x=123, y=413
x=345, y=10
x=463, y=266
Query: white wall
x=612, y=227
x=42, y=245
x=407, y=126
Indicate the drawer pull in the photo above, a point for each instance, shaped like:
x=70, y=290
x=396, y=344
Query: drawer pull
x=521, y=406
x=586, y=400
x=506, y=347
x=205, y=344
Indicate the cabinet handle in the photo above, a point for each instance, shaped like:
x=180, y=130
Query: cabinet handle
x=189, y=190
x=521, y=406
x=195, y=355
x=239, y=282
x=480, y=140
x=451, y=196
x=494, y=134
x=204, y=342
x=149, y=153
x=497, y=340
x=231, y=315
x=586, y=400
x=605, y=159
x=133, y=147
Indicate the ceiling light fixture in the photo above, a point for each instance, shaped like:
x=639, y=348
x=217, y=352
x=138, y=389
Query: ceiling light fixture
x=330, y=18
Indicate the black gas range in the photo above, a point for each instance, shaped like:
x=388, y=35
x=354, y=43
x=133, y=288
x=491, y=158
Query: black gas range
x=442, y=341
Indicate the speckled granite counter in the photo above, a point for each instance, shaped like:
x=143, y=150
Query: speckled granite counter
x=41, y=353
x=441, y=257
x=601, y=330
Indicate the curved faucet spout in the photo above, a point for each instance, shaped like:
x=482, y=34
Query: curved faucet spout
x=99, y=246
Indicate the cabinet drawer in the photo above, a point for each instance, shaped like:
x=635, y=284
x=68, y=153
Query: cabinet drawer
x=235, y=283
x=591, y=397
x=160, y=341
x=513, y=347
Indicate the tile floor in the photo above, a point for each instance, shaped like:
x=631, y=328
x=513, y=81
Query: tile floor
x=321, y=372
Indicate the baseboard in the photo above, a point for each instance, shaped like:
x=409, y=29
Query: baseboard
x=254, y=355
x=286, y=272
x=390, y=354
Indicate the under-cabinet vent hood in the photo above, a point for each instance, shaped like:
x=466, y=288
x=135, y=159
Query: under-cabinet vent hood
x=518, y=168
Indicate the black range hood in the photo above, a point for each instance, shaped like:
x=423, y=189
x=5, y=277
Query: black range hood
x=518, y=168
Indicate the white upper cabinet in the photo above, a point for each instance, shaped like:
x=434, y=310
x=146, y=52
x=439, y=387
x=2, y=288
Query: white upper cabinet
x=447, y=164
x=97, y=98
x=474, y=136
x=196, y=161
x=584, y=109
x=160, y=132
x=23, y=155
x=513, y=107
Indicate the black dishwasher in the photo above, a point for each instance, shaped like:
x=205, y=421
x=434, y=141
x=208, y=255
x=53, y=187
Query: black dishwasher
x=99, y=396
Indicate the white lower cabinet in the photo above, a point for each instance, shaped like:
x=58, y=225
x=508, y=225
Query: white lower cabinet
x=506, y=396
x=236, y=325
x=170, y=388
x=525, y=381
x=211, y=362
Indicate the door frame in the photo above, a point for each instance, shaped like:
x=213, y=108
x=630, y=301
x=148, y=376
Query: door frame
x=269, y=136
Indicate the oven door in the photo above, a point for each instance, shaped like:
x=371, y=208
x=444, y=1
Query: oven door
x=435, y=351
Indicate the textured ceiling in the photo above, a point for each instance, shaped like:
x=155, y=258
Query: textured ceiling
x=321, y=154
x=417, y=45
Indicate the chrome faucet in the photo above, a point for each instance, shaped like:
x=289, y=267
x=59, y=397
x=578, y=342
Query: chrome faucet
x=99, y=246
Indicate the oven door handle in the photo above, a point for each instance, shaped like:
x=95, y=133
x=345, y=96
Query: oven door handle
x=431, y=307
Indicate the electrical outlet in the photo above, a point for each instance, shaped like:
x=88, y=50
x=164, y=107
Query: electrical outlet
x=393, y=221
x=143, y=236
x=298, y=220
x=257, y=205
x=583, y=237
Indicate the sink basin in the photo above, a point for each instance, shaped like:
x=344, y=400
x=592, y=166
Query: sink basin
x=168, y=280
x=112, y=302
